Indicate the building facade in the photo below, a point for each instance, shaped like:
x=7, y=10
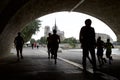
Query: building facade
x=60, y=33
x=104, y=37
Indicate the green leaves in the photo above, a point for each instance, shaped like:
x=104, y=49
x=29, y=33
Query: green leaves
x=72, y=41
x=30, y=29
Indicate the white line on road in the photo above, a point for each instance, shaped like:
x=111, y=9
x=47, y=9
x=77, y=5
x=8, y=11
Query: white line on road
x=105, y=76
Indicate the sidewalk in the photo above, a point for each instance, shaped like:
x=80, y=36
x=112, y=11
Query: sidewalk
x=38, y=67
x=108, y=71
x=114, y=68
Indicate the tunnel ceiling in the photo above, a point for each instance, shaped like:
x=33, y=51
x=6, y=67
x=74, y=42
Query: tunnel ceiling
x=14, y=14
x=105, y=10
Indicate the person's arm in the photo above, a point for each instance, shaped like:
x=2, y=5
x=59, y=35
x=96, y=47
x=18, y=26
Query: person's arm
x=47, y=40
x=80, y=36
x=59, y=39
x=112, y=45
x=94, y=37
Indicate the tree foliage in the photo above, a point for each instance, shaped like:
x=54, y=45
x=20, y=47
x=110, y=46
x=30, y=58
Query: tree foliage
x=72, y=41
x=32, y=41
x=43, y=40
x=30, y=29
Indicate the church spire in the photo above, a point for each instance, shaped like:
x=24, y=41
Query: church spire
x=55, y=26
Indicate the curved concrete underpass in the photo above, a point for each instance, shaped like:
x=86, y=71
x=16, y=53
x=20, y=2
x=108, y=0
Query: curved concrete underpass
x=15, y=14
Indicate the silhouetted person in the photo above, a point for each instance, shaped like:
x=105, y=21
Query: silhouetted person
x=55, y=44
x=32, y=45
x=88, y=43
x=37, y=45
x=19, y=45
x=49, y=45
x=109, y=46
x=100, y=46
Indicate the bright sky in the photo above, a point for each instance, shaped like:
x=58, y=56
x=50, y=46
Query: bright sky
x=71, y=23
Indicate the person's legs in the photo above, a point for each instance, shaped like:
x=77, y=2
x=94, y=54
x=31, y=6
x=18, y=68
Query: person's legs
x=52, y=52
x=17, y=49
x=21, y=52
x=102, y=59
x=89, y=58
x=48, y=52
x=92, y=52
x=108, y=53
x=55, y=55
x=99, y=60
x=85, y=54
x=99, y=56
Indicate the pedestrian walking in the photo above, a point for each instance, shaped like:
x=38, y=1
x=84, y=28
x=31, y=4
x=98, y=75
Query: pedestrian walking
x=88, y=42
x=18, y=41
x=55, y=44
x=100, y=48
x=49, y=45
x=37, y=44
x=109, y=46
x=32, y=45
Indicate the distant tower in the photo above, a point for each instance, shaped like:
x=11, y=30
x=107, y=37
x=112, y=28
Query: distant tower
x=55, y=26
x=46, y=30
x=60, y=33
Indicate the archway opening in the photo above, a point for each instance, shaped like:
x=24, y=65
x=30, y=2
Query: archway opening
x=71, y=23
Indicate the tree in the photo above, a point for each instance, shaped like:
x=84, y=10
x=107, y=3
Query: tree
x=32, y=41
x=43, y=40
x=30, y=29
x=38, y=41
x=72, y=41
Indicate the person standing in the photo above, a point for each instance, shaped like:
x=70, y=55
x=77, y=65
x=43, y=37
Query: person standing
x=88, y=43
x=109, y=46
x=55, y=44
x=18, y=41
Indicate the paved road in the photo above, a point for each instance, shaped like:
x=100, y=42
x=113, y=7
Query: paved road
x=111, y=71
x=72, y=57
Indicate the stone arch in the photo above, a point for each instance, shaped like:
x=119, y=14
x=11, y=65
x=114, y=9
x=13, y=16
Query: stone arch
x=107, y=11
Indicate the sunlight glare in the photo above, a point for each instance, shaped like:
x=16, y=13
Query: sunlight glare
x=71, y=23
